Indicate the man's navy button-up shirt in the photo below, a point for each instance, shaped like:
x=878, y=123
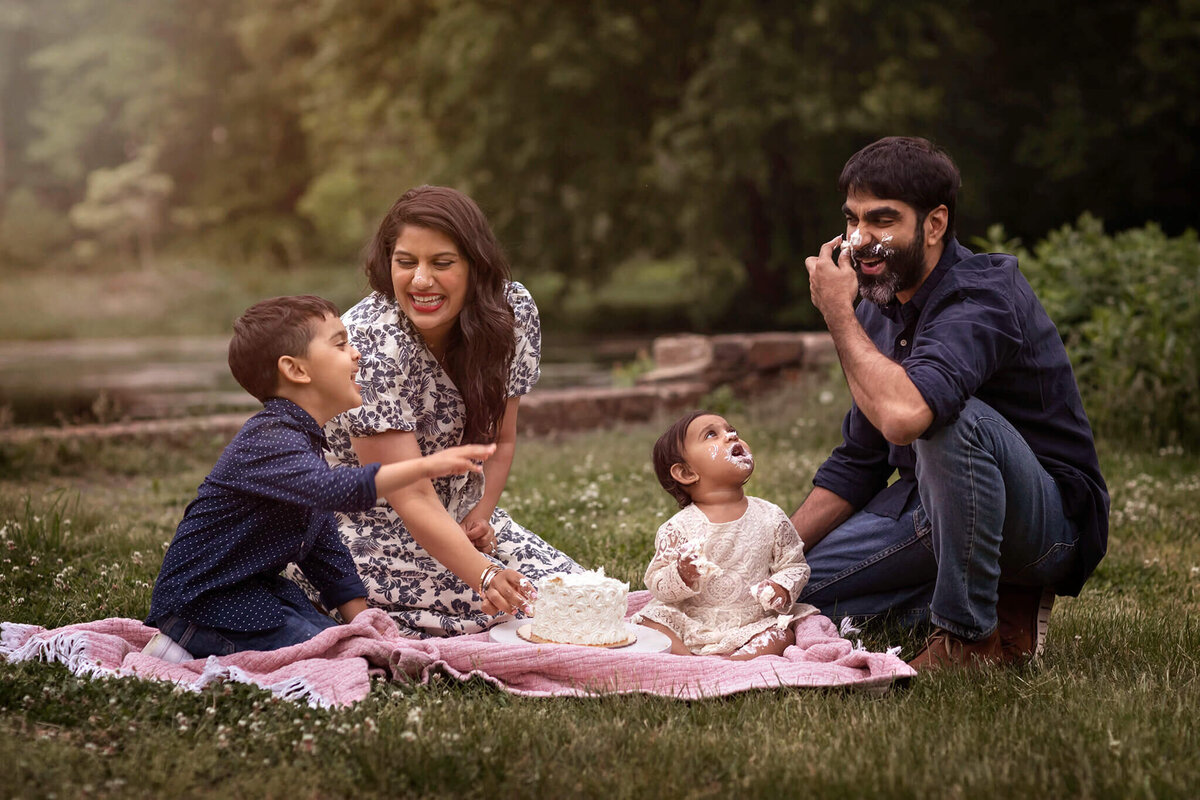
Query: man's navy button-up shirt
x=975, y=328
x=268, y=502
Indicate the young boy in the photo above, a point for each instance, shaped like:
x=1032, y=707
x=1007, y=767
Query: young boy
x=728, y=567
x=269, y=501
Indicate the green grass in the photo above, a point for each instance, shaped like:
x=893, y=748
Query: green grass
x=1109, y=712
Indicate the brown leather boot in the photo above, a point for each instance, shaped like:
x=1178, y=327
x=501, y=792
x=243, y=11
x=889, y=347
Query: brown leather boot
x=1024, y=616
x=944, y=649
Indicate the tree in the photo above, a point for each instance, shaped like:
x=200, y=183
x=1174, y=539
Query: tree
x=124, y=205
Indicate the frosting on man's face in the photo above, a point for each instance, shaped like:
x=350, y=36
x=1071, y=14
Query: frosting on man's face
x=886, y=244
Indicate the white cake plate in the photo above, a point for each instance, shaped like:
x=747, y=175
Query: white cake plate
x=648, y=639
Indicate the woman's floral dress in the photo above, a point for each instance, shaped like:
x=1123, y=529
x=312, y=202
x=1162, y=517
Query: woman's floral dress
x=405, y=389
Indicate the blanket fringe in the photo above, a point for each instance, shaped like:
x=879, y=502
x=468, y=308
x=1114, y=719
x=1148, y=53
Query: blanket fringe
x=66, y=648
x=13, y=635
x=295, y=689
x=94, y=650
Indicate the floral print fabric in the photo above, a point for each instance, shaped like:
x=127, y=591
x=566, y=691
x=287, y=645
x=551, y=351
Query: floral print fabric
x=406, y=389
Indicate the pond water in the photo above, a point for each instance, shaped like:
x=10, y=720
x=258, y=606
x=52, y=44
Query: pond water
x=104, y=380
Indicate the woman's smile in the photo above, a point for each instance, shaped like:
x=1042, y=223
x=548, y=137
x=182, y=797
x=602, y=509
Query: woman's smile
x=427, y=303
x=430, y=278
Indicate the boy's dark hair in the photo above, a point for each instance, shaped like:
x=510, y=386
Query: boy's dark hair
x=905, y=168
x=668, y=451
x=281, y=326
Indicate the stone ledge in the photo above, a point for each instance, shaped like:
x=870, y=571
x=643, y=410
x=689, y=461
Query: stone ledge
x=743, y=360
x=584, y=409
x=687, y=367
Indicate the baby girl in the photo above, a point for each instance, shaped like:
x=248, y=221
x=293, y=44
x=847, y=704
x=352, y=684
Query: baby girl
x=727, y=568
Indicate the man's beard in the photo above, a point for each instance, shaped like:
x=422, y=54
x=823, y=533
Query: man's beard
x=903, y=271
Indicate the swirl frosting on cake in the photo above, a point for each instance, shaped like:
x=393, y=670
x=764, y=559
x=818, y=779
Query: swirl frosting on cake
x=581, y=608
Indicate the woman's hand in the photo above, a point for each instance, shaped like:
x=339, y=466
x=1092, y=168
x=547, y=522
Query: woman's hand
x=478, y=528
x=508, y=592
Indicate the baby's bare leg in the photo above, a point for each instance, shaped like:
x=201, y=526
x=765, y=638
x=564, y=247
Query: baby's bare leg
x=677, y=646
x=771, y=642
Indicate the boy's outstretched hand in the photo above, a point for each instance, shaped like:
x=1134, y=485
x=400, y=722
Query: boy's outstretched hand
x=458, y=460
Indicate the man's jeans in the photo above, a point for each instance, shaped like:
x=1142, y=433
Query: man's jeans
x=300, y=624
x=985, y=512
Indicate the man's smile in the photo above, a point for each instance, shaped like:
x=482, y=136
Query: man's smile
x=871, y=266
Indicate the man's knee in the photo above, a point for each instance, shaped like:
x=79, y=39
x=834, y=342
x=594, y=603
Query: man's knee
x=968, y=431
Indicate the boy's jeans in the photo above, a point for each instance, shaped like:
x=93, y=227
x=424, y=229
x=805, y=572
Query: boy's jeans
x=300, y=625
x=985, y=510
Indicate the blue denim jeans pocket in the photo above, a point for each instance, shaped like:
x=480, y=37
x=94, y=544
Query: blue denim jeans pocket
x=1049, y=568
x=299, y=625
x=198, y=640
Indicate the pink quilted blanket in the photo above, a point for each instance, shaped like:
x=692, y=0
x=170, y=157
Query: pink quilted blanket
x=334, y=669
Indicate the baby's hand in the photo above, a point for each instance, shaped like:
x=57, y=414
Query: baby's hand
x=771, y=596
x=689, y=573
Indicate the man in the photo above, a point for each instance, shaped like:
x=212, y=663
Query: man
x=961, y=384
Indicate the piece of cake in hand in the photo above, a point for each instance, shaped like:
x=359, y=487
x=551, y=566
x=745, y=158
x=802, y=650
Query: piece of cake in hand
x=581, y=608
x=727, y=568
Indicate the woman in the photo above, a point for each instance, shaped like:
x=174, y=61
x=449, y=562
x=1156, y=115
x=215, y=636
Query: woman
x=449, y=344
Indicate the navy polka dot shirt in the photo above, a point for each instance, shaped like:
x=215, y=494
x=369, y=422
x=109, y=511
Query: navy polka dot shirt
x=269, y=501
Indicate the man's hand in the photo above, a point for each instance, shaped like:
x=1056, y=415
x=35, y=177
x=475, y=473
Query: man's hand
x=832, y=285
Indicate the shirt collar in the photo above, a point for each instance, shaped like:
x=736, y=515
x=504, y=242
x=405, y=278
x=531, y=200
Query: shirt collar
x=951, y=255
x=286, y=408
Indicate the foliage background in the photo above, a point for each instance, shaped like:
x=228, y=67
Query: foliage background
x=650, y=166
x=592, y=133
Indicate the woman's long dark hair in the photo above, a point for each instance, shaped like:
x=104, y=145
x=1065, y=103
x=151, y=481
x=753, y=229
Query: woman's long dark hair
x=480, y=349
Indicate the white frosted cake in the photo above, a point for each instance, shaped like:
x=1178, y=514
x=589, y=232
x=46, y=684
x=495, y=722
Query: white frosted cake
x=581, y=608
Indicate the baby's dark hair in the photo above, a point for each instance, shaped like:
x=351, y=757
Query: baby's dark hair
x=268, y=330
x=668, y=451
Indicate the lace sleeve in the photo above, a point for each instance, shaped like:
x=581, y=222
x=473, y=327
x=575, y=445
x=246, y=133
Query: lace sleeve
x=788, y=567
x=662, y=576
